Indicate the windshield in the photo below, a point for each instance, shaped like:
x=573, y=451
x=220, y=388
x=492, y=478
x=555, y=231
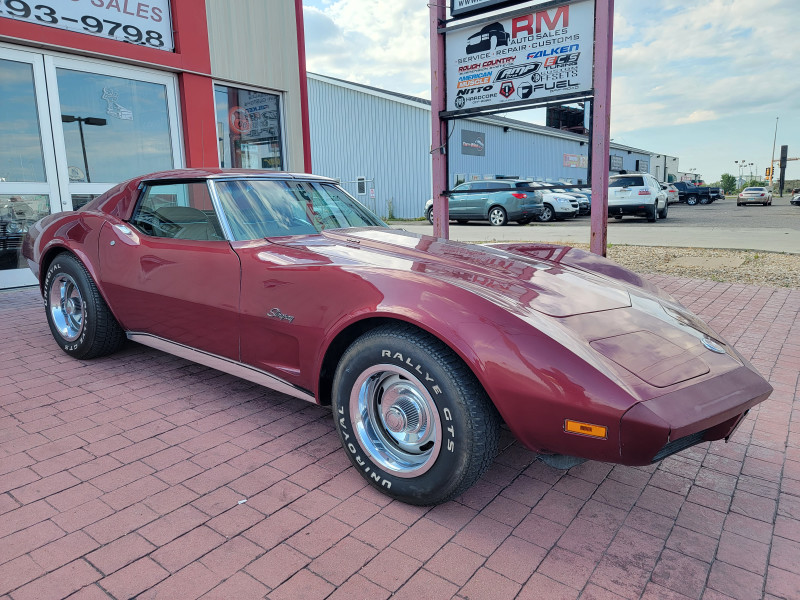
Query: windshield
x=260, y=208
x=626, y=182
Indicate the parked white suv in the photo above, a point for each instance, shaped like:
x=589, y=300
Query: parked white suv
x=557, y=206
x=638, y=195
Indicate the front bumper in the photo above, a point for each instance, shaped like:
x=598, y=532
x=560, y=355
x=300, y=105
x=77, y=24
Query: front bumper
x=706, y=411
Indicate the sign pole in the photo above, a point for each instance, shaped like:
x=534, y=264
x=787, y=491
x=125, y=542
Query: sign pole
x=441, y=217
x=601, y=123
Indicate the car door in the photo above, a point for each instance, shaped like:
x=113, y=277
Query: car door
x=459, y=201
x=170, y=273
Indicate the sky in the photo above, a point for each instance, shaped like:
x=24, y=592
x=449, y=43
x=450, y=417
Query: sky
x=703, y=80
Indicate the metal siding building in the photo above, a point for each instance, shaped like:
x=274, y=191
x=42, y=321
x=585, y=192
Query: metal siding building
x=385, y=137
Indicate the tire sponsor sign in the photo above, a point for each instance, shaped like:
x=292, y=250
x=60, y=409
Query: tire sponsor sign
x=522, y=58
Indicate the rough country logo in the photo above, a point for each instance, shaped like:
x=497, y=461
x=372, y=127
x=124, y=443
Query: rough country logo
x=506, y=89
x=515, y=72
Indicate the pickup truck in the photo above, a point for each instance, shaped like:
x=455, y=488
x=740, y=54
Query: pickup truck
x=692, y=194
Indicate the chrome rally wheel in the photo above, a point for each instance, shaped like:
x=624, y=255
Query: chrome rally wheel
x=66, y=307
x=395, y=420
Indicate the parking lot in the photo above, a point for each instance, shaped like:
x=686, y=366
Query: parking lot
x=721, y=224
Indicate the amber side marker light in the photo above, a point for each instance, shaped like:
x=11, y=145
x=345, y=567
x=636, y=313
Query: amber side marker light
x=595, y=431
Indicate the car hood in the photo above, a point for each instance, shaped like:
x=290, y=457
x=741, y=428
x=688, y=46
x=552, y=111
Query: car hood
x=514, y=282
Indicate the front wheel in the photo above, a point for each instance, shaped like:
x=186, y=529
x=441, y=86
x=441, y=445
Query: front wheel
x=691, y=200
x=79, y=318
x=497, y=216
x=412, y=418
x=547, y=214
x=429, y=215
x=706, y=200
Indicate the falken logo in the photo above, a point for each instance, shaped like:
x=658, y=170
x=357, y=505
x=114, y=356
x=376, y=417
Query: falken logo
x=517, y=71
x=554, y=51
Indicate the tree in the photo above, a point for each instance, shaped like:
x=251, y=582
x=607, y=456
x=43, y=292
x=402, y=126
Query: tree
x=728, y=183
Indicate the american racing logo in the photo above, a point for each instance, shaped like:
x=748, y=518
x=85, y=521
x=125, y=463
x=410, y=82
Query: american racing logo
x=515, y=72
x=563, y=60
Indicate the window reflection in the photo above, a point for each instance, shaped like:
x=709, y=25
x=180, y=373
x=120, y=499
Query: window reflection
x=21, y=157
x=248, y=129
x=78, y=200
x=114, y=128
x=17, y=214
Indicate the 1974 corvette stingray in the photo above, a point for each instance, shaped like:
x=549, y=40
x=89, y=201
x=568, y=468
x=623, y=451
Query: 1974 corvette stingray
x=421, y=346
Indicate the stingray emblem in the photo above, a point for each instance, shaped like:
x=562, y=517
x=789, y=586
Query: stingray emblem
x=713, y=346
x=275, y=313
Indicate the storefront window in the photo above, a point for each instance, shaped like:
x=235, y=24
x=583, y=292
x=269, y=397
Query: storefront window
x=248, y=129
x=114, y=128
x=17, y=213
x=21, y=157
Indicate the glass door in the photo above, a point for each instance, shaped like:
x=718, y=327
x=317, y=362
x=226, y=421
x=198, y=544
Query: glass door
x=28, y=180
x=110, y=123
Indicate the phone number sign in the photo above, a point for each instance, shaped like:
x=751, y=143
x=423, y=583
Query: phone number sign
x=523, y=59
x=143, y=23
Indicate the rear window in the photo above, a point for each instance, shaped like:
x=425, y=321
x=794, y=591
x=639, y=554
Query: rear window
x=752, y=189
x=627, y=182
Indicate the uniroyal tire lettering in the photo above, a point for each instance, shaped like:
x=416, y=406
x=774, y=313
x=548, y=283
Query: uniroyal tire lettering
x=354, y=451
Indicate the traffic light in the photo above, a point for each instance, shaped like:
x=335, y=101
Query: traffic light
x=769, y=172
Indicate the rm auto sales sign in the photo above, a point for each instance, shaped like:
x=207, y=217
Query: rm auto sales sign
x=525, y=58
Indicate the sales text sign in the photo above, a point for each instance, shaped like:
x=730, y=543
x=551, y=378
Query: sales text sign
x=143, y=23
x=526, y=59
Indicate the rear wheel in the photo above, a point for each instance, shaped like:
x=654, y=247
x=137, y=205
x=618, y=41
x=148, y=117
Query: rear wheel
x=691, y=200
x=429, y=215
x=412, y=418
x=663, y=213
x=653, y=216
x=547, y=214
x=79, y=318
x=497, y=216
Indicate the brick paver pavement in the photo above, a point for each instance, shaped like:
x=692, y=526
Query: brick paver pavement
x=127, y=476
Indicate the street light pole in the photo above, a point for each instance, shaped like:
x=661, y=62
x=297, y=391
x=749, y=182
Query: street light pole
x=772, y=162
x=89, y=121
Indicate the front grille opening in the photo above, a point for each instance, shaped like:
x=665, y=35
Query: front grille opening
x=678, y=445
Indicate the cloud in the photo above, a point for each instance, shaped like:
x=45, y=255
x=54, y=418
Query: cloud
x=385, y=44
x=697, y=117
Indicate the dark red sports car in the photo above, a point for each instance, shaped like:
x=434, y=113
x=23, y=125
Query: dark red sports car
x=420, y=345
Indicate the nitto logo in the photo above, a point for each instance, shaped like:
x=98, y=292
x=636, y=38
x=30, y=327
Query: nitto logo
x=506, y=89
x=507, y=73
x=475, y=90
